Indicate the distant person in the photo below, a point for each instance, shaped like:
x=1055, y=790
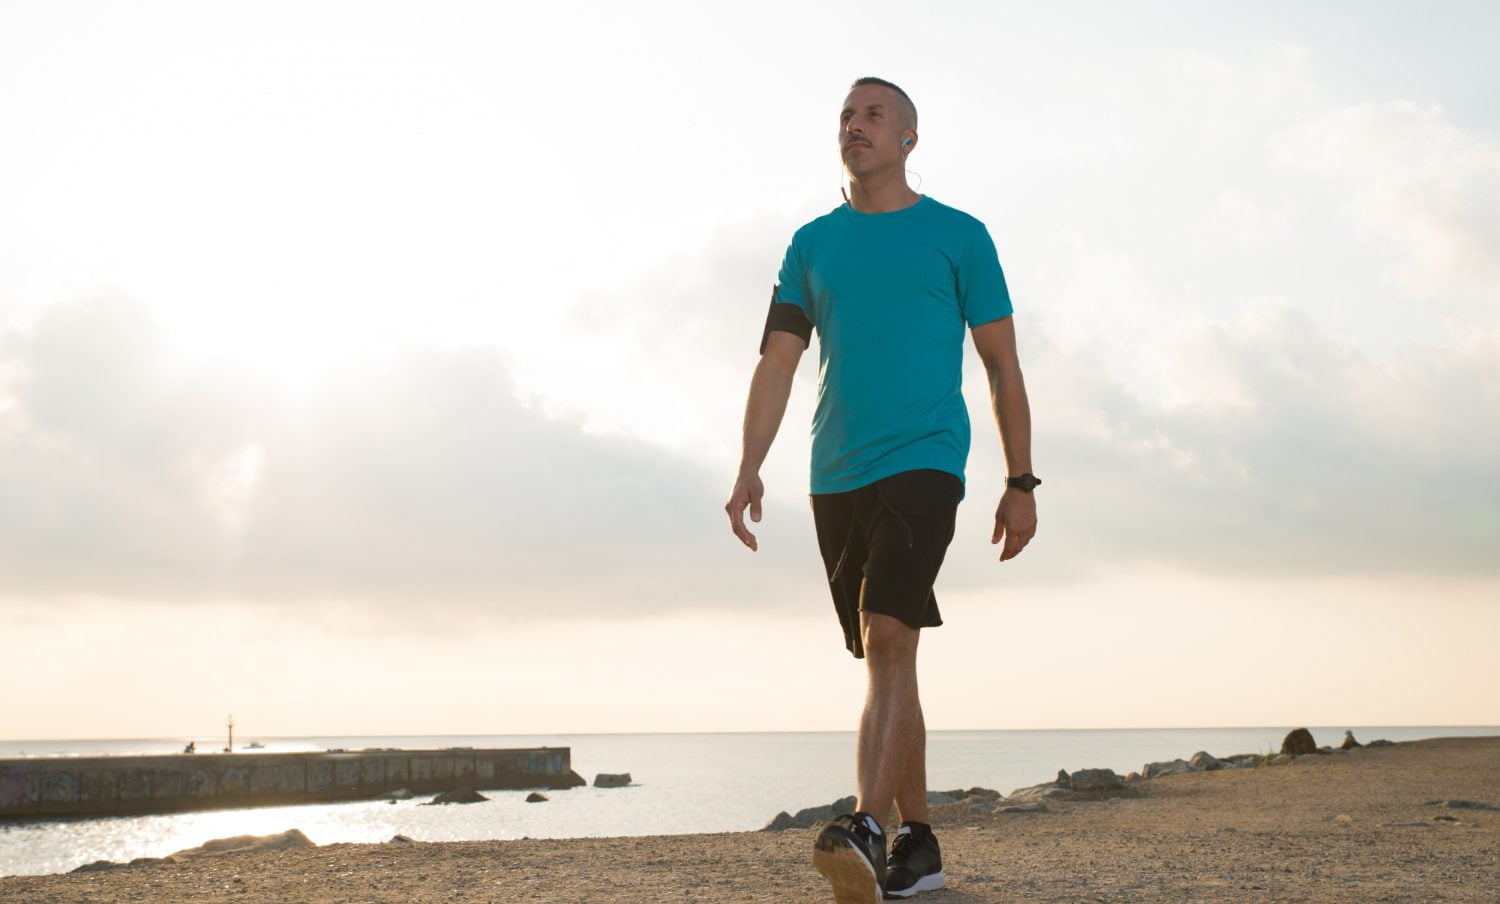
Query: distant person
x=192, y=747
x=889, y=280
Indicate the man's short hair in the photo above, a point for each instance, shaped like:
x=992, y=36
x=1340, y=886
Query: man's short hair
x=872, y=80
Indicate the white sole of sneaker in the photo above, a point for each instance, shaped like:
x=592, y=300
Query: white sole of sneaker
x=926, y=883
x=850, y=874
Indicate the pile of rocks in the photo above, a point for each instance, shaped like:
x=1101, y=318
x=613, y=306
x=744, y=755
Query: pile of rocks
x=1087, y=784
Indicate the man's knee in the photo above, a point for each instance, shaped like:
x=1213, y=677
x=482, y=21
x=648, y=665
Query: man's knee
x=887, y=639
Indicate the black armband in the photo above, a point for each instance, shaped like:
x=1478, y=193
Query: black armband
x=786, y=318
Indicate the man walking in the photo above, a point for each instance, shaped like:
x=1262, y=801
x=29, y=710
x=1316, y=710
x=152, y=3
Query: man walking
x=889, y=281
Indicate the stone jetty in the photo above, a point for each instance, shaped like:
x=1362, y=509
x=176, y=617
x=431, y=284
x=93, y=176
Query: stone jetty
x=74, y=787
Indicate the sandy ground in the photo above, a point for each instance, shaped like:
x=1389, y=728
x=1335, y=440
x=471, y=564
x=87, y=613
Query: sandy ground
x=1317, y=829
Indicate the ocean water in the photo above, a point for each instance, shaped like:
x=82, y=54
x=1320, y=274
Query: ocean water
x=681, y=783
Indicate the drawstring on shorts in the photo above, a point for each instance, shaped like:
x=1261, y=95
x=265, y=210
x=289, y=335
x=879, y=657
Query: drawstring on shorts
x=880, y=501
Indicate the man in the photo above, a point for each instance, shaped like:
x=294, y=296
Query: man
x=889, y=280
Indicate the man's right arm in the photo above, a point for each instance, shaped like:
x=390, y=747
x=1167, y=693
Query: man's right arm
x=770, y=388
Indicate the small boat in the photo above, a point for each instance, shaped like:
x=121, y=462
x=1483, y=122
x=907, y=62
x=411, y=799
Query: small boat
x=255, y=745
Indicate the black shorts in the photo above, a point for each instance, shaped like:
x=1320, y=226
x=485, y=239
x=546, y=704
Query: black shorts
x=882, y=546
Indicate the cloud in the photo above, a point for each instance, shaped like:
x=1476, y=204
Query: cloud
x=422, y=485
x=1416, y=183
x=1307, y=455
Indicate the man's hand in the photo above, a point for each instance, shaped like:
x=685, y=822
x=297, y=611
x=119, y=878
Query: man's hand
x=1015, y=520
x=747, y=491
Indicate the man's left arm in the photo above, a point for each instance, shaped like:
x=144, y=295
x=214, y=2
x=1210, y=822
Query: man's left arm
x=1015, y=517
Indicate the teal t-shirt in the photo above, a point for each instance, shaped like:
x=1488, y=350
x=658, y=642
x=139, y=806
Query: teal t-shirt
x=890, y=295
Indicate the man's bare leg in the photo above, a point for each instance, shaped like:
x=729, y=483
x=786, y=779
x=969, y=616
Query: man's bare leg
x=891, y=729
x=911, y=794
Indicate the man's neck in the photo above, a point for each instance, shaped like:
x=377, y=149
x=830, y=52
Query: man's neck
x=881, y=194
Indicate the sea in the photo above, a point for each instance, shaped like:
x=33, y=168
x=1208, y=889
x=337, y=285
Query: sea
x=680, y=783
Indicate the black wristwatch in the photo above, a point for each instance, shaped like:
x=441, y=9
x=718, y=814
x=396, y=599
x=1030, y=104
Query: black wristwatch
x=1026, y=482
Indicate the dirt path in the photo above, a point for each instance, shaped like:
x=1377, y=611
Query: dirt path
x=1348, y=828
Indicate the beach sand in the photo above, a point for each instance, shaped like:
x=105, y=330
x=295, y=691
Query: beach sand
x=1353, y=827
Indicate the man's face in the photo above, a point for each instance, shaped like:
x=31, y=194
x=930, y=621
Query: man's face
x=871, y=128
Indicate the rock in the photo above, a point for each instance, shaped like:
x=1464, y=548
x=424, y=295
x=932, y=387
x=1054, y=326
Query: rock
x=939, y=798
x=398, y=794
x=1343, y=819
x=981, y=792
x=457, y=796
x=535, y=798
x=1299, y=742
x=400, y=839
x=1205, y=761
x=811, y=816
x=780, y=823
x=148, y=861
x=1062, y=777
x=97, y=866
x=1241, y=761
x=1169, y=767
x=611, y=779
x=1133, y=777
x=571, y=780
x=1037, y=807
x=1349, y=742
x=1280, y=759
x=982, y=805
x=291, y=838
x=1096, y=780
x=1407, y=824
x=1382, y=742
x=1461, y=805
x=1037, y=792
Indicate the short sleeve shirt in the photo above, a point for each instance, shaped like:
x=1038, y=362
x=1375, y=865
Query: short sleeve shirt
x=890, y=296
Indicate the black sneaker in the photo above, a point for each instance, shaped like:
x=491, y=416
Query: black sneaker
x=916, y=862
x=850, y=854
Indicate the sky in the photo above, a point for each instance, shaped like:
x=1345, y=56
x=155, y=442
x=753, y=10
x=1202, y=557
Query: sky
x=378, y=368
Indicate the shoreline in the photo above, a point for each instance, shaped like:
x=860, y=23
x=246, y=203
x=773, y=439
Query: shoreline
x=1351, y=827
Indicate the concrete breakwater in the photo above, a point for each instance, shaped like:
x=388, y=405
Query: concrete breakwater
x=53, y=787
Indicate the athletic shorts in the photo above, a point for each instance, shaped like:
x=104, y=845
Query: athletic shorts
x=882, y=546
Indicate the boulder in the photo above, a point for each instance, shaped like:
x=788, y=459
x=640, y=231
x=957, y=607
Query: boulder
x=1133, y=777
x=1349, y=742
x=611, y=779
x=982, y=792
x=1044, y=791
x=1299, y=742
x=291, y=838
x=1062, y=777
x=96, y=866
x=939, y=798
x=571, y=780
x=811, y=816
x=1381, y=742
x=1168, y=767
x=535, y=797
x=400, y=839
x=1241, y=761
x=1205, y=761
x=458, y=796
x=1096, y=780
x=779, y=823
